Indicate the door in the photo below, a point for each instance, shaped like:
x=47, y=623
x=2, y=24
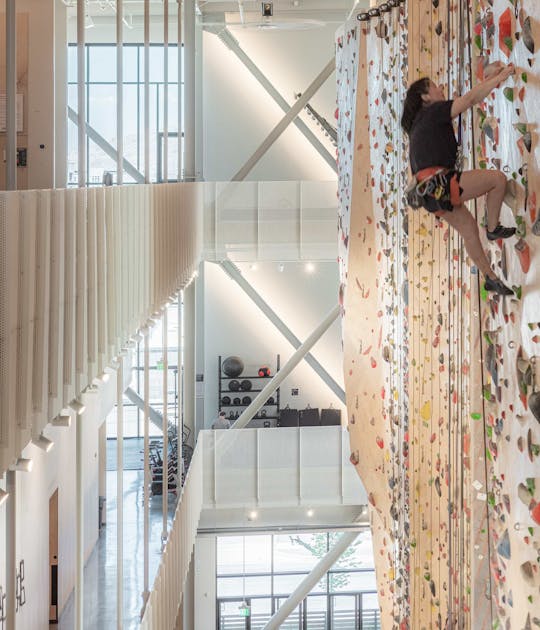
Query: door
x=53, y=557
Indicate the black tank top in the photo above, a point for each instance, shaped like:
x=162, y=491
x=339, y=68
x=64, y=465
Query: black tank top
x=432, y=141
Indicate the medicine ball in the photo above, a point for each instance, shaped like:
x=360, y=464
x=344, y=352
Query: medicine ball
x=232, y=366
x=237, y=401
x=226, y=400
x=246, y=400
x=245, y=385
x=234, y=386
x=264, y=371
x=263, y=413
x=270, y=401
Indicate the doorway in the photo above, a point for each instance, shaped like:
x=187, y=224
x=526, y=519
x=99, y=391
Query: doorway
x=53, y=557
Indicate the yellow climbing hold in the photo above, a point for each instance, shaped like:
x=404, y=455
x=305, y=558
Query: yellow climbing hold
x=425, y=411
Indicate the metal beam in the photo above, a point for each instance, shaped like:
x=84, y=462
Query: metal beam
x=307, y=584
x=286, y=120
x=155, y=417
x=107, y=148
x=232, y=43
x=280, y=376
x=233, y=272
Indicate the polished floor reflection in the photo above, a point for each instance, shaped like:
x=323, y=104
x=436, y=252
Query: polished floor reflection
x=100, y=571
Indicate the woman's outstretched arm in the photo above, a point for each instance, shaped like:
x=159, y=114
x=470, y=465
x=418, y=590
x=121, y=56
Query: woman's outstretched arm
x=480, y=91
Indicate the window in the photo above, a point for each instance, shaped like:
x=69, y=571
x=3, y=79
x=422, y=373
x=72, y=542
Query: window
x=262, y=571
x=101, y=112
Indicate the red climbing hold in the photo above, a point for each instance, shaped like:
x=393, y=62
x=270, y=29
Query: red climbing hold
x=506, y=30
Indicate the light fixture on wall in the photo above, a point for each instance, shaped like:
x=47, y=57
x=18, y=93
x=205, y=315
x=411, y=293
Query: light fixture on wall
x=310, y=267
x=137, y=337
x=43, y=443
x=23, y=465
x=252, y=516
x=253, y=267
x=88, y=21
x=62, y=420
x=3, y=496
x=310, y=512
x=77, y=406
x=281, y=267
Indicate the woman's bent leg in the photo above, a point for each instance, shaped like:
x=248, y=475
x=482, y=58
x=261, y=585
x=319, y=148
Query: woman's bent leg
x=463, y=221
x=480, y=182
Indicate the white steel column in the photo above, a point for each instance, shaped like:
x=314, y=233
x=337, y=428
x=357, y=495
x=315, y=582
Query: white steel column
x=189, y=92
x=180, y=93
x=11, y=548
x=189, y=359
x=81, y=93
x=79, y=492
x=120, y=493
x=165, y=491
x=147, y=91
x=11, y=95
x=304, y=588
x=146, y=490
x=180, y=386
x=119, y=92
x=280, y=376
x=166, y=91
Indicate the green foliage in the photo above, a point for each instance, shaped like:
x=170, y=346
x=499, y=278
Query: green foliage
x=318, y=546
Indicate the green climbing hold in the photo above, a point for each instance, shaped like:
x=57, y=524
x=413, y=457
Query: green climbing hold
x=483, y=293
x=489, y=431
x=491, y=499
x=476, y=416
x=517, y=291
x=531, y=485
x=524, y=77
x=427, y=576
x=509, y=94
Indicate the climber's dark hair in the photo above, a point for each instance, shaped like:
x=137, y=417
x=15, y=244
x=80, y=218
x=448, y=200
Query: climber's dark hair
x=413, y=102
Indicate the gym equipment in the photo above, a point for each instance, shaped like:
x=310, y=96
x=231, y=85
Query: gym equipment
x=264, y=371
x=330, y=416
x=270, y=401
x=309, y=417
x=226, y=400
x=246, y=400
x=288, y=417
x=233, y=366
x=245, y=385
x=234, y=385
x=236, y=401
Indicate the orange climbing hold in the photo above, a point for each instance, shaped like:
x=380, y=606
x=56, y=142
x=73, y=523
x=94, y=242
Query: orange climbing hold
x=506, y=30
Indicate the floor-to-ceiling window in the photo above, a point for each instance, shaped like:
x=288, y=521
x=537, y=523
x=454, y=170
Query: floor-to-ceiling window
x=101, y=112
x=256, y=574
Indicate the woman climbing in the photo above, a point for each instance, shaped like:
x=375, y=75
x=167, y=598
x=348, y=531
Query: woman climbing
x=443, y=190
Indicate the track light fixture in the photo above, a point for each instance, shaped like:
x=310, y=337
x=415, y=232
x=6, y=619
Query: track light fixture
x=62, y=420
x=43, y=443
x=23, y=465
x=77, y=406
x=137, y=337
x=3, y=496
x=267, y=9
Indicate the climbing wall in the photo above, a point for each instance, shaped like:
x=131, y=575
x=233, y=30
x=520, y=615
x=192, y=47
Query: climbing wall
x=373, y=257
x=507, y=138
x=440, y=377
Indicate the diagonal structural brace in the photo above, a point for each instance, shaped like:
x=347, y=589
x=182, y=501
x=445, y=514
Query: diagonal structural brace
x=232, y=43
x=280, y=376
x=286, y=120
x=107, y=148
x=307, y=584
x=232, y=270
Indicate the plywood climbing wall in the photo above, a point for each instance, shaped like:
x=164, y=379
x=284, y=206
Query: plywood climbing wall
x=439, y=377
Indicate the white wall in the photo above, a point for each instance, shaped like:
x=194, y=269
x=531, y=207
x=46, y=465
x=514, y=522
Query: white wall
x=233, y=325
x=239, y=113
x=52, y=470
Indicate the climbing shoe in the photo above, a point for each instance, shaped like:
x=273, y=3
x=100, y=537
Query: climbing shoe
x=497, y=286
x=500, y=232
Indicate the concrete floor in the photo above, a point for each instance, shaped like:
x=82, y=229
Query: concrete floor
x=100, y=570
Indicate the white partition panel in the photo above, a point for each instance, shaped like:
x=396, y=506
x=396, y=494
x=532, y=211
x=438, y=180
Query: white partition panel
x=81, y=271
x=279, y=472
x=320, y=465
x=235, y=466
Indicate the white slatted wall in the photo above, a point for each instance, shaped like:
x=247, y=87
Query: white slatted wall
x=80, y=271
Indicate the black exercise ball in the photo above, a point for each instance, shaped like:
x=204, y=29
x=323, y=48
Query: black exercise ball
x=234, y=386
x=232, y=366
x=237, y=401
x=246, y=400
x=270, y=401
x=245, y=385
x=226, y=400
